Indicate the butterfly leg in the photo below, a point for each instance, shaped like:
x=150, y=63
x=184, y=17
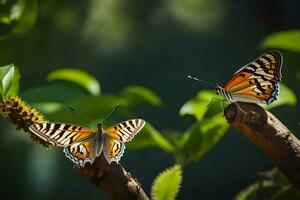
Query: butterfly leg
x=222, y=105
x=211, y=101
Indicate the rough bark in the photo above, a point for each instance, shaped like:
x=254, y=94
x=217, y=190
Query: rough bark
x=113, y=180
x=268, y=134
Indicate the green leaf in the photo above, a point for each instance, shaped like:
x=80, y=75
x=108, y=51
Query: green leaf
x=48, y=107
x=201, y=137
x=151, y=137
x=77, y=76
x=142, y=140
x=15, y=84
x=289, y=40
x=59, y=92
x=271, y=185
x=204, y=101
x=94, y=108
x=139, y=95
x=286, y=97
x=167, y=184
x=8, y=79
x=28, y=17
x=17, y=17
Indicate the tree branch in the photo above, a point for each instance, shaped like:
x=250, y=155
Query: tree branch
x=268, y=134
x=113, y=180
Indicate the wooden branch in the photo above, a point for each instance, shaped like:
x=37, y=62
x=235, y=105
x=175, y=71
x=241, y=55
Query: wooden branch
x=113, y=180
x=268, y=134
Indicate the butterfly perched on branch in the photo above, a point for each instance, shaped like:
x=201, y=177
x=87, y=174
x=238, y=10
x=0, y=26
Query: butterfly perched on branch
x=256, y=82
x=82, y=145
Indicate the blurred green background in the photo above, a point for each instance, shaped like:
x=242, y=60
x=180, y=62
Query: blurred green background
x=141, y=53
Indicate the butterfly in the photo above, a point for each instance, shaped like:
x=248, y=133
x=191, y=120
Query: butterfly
x=82, y=145
x=256, y=82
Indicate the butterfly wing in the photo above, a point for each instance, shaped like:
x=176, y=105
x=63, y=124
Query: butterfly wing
x=257, y=81
x=59, y=134
x=81, y=152
x=117, y=135
x=113, y=150
x=126, y=130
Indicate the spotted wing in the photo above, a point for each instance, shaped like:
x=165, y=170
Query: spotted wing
x=113, y=150
x=81, y=152
x=126, y=130
x=59, y=134
x=257, y=80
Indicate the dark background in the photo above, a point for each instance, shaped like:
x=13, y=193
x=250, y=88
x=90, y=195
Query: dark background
x=154, y=44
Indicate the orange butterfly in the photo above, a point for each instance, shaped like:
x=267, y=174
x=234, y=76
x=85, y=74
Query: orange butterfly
x=256, y=82
x=82, y=145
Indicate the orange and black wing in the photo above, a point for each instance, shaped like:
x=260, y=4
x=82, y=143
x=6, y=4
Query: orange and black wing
x=59, y=134
x=257, y=80
x=126, y=130
x=117, y=135
x=81, y=152
x=113, y=150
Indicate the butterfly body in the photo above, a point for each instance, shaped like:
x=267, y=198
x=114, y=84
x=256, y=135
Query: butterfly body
x=82, y=145
x=256, y=82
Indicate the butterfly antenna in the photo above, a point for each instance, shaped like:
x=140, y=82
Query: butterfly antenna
x=79, y=113
x=109, y=114
x=203, y=81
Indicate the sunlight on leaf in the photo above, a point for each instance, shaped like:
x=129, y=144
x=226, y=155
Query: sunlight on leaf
x=77, y=76
x=8, y=79
x=159, y=139
x=142, y=140
x=167, y=184
x=199, y=105
x=289, y=40
x=286, y=97
x=151, y=137
x=15, y=84
x=48, y=107
x=202, y=136
x=139, y=95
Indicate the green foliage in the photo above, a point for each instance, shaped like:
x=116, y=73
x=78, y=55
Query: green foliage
x=81, y=91
x=139, y=95
x=289, y=40
x=286, y=97
x=6, y=75
x=272, y=185
x=199, y=105
x=206, y=131
x=202, y=136
x=15, y=84
x=77, y=76
x=151, y=137
x=17, y=16
x=167, y=184
x=101, y=106
x=9, y=76
x=61, y=92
